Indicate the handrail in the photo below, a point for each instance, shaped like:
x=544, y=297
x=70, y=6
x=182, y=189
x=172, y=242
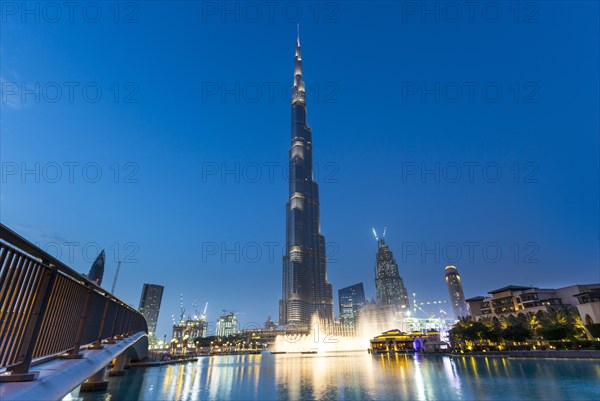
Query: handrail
x=16, y=240
x=47, y=308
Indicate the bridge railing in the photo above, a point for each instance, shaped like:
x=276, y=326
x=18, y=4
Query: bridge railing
x=48, y=309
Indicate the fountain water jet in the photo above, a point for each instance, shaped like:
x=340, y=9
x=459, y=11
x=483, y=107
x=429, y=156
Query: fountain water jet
x=323, y=336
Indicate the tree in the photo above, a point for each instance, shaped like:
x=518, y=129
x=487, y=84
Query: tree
x=579, y=326
x=516, y=333
x=489, y=323
x=459, y=333
x=534, y=324
x=556, y=317
x=555, y=333
x=561, y=324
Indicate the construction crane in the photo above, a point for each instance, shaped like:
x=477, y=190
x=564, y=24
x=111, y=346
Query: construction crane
x=203, y=316
x=231, y=312
x=195, y=306
x=182, y=309
x=112, y=291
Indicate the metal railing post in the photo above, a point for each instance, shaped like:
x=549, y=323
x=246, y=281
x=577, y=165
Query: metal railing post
x=111, y=340
x=98, y=343
x=74, y=353
x=20, y=371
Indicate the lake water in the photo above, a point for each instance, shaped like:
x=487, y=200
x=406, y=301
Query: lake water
x=356, y=376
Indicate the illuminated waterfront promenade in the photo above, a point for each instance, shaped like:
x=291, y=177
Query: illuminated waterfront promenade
x=357, y=376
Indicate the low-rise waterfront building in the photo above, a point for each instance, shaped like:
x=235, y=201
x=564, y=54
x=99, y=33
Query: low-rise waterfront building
x=516, y=300
x=589, y=309
x=399, y=341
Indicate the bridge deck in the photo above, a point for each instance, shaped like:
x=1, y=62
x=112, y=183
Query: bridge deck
x=58, y=377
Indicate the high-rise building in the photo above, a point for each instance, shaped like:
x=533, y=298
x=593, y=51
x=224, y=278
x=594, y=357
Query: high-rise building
x=97, y=270
x=305, y=289
x=226, y=325
x=351, y=300
x=150, y=305
x=389, y=287
x=455, y=290
x=190, y=329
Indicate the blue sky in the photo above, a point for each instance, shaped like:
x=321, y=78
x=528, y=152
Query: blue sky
x=472, y=134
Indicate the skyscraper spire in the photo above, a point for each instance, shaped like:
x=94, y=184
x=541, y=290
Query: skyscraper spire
x=298, y=91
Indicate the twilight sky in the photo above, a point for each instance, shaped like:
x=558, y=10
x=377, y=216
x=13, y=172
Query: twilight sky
x=160, y=132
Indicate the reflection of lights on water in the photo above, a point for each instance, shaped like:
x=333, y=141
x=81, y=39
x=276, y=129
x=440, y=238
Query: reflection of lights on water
x=419, y=380
x=350, y=376
x=192, y=381
x=319, y=376
x=451, y=375
x=220, y=378
x=474, y=367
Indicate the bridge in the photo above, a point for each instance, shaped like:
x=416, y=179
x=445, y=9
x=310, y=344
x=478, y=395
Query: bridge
x=58, y=330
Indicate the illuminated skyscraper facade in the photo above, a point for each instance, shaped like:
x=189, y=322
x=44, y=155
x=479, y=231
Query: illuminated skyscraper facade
x=351, y=299
x=389, y=287
x=305, y=289
x=150, y=305
x=455, y=290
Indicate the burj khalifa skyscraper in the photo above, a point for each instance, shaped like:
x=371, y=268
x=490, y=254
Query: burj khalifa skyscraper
x=305, y=289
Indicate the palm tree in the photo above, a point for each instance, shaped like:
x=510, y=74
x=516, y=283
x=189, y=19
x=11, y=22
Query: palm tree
x=556, y=317
x=504, y=322
x=533, y=323
x=466, y=320
x=460, y=332
x=579, y=326
x=488, y=322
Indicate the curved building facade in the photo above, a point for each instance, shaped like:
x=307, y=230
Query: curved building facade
x=455, y=290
